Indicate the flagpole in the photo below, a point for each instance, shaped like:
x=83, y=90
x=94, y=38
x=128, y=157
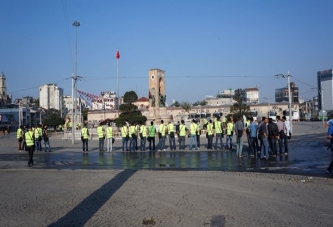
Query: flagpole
x=118, y=87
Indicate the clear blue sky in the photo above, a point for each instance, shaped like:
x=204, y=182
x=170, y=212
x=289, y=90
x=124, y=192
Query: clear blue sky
x=204, y=46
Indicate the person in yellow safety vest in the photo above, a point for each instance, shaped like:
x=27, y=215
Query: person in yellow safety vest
x=19, y=136
x=210, y=135
x=161, y=134
x=193, y=135
x=171, y=133
x=133, y=137
x=124, y=136
x=218, y=133
x=151, y=135
x=137, y=130
x=101, y=137
x=109, y=137
x=84, y=138
x=182, y=135
x=143, y=136
x=30, y=142
x=70, y=126
x=38, y=137
x=230, y=132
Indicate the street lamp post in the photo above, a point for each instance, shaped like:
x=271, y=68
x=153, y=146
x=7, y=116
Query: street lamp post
x=289, y=97
x=74, y=78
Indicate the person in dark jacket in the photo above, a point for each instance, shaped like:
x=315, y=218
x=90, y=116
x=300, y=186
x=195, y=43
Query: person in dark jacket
x=273, y=133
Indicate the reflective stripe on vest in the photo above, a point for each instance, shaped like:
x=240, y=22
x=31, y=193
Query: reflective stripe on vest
x=84, y=133
x=29, y=138
x=124, y=131
x=218, y=128
x=151, y=131
x=193, y=128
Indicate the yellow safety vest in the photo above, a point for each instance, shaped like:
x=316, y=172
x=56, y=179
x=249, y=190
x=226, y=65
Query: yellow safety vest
x=218, y=127
x=100, y=132
x=109, y=132
x=162, y=129
x=84, y=133
x=151, y=131
x=182, y=131
x=171, y=128
x=193, y=128
x=210, y=129
x=132, y=129
x=124, y=131
x=38, y=132
x=29, y=138
x=19, y=133
x=143, y=130
x=230, y=128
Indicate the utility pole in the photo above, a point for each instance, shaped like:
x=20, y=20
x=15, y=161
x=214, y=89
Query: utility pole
x=74, y=78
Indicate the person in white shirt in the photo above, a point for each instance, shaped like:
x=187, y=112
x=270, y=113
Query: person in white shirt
x=287, y=134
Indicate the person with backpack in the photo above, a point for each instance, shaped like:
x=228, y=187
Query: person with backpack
x=273, y=133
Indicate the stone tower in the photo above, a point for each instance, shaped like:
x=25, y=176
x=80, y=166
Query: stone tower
x=3, y=89
x=157, y=96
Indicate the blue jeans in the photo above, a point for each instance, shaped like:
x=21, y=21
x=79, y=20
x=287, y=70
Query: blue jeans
x=172, y=142
x=210, y=142
x=181, y=142
x=161, y=143
x=38, y=145
x=229, y=138
x=218, y=137
x=101, y=144
x=239, y=145
x=264, y=148
x=254, y=145
x=193, y=142
x=109, y=144
x=124, y=141
x=47, y=144
x=143, y=144
x=132, y=145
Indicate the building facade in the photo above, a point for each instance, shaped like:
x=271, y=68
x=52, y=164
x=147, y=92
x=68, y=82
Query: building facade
x=325, y=88
x=281, y=94
x=252, y=95
x=51, y=96
x=4, y=97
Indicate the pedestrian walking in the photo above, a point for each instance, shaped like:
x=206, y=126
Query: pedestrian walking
x=171, y=134
x=30, y=143
x=124, y=136
x=84, y=137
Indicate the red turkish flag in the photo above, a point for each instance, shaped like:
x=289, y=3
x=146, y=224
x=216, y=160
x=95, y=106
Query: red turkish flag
x=117, y=54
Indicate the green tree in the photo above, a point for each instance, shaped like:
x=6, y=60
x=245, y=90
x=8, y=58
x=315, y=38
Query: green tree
x=129, y=111
x=36, y=101
x=130, y=97
x=240, y=107
x=53, y=118
x=186, y=106
x=177, y=104
x=201, y=103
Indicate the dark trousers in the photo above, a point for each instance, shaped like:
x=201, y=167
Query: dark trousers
x=143, y=144
x=19, y=144
x=272, y=145
x=210, y=142
x=31, y=154
x=181, y=142
x=85, y=145
x=152, y=141
x=283, y=141
x=254, y=145
x=101, y=144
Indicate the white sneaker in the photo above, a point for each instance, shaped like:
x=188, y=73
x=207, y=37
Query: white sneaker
x=164, y=149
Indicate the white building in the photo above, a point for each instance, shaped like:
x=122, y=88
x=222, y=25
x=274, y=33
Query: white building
x=108, y=101
x=252, y=95
x=325, y=89
x=51, y=96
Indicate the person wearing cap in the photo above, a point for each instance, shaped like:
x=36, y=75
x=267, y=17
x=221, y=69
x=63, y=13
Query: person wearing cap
x=171, y=133
x=30, y=143
x=193, y=135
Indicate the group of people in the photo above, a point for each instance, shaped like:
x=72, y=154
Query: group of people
x=30, y=139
